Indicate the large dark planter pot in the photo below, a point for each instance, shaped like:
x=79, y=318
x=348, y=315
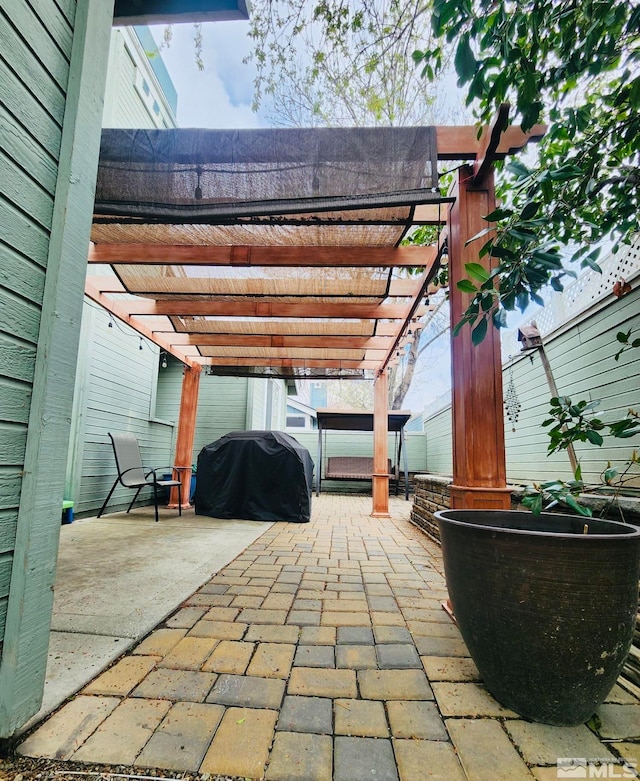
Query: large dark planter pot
x=547, y=612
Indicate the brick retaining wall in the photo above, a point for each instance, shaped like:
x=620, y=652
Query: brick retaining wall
x=431, y=493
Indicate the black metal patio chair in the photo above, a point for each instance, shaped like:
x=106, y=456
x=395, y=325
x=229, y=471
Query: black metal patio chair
x=132, y=474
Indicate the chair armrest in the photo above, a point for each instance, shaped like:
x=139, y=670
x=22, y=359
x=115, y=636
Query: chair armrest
x=166, y=469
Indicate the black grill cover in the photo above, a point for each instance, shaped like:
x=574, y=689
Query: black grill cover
x=255, y=475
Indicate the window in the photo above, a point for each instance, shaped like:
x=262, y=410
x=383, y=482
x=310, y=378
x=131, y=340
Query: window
x=295, y=421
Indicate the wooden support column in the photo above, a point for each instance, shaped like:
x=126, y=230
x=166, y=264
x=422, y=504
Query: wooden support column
x=380, y=478
x=186, y=431
x=479, y=469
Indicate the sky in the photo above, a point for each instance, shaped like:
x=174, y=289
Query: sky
x=220, y=95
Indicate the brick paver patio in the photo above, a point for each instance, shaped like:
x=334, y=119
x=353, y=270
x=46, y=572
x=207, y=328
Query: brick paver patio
x=320, y=653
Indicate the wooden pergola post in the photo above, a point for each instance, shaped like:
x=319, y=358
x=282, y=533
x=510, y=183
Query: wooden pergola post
x=380, y=477
x=186, y=431
x=479, y=469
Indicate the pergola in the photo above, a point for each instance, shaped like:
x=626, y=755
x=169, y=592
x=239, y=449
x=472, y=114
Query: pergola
x=277, y=253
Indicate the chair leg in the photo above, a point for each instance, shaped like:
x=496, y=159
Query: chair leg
x=106, y=501
x=134, y=498
x=155, y=496
x=180, y=499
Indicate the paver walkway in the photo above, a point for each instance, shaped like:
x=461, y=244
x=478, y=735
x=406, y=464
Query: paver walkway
x=321, y=653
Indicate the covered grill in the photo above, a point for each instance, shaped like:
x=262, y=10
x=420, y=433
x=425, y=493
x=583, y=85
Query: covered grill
x=255, y=475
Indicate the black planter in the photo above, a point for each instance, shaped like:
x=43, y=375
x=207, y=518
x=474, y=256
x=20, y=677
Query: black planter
x=547, y=612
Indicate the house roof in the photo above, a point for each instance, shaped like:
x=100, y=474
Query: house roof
x=359, y=420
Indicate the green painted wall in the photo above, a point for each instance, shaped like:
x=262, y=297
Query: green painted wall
x=583, y=365
x=53, y=59
x=438, y=433
x=582, y=361
x=106, y=399
x=222, y=403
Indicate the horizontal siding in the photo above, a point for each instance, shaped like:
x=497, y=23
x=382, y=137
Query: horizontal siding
x=17, y=358
x=28, y=196
x=25, y=34
x=583, y=366
x=7, y=530
x=439, y=443
x=119, y=381
x=15, y=400
x=24, y=149
x=58, y=25
x=14, y=439
x=19, y=317
x=36, y=39
x=36, y=119
x=21, y=234
x=20, y=275
x=222, y=407
x=4, y=603
x=10, y=480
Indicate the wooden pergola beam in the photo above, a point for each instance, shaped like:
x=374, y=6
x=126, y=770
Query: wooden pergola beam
x=251, y=308
x=117, y=310
x=267, y=340
x=413, y=309
x=309, y=353
x=295, y=363
x=399, y=288
x=247, y=256
x=462, y=143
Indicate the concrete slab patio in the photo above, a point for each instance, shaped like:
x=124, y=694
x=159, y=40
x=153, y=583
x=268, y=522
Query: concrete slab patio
x=321, y=653
x=120, y=575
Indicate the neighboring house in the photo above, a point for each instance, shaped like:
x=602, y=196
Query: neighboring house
x=579, y=331
x=121, y=384
x=301, y=416
x=139, y=91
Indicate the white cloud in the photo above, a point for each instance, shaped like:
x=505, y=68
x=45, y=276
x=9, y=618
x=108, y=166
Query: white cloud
x=220, y=96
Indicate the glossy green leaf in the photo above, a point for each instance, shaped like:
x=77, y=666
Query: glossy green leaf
x=476, y=271
x=479, y=332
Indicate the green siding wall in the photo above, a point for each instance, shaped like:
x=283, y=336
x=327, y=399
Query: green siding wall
x=222, y=403
x=583, y=365
x=53, y=56
x=582, y=361
x=35, y=53
x=108, y=399
x=438, y=434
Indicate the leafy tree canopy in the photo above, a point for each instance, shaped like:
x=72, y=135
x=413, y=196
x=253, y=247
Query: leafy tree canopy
x=573, y=65
x=342, y=62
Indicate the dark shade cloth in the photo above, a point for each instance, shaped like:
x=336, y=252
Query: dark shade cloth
x=256, y=476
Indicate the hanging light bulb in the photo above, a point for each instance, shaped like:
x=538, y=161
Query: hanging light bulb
x=163, y=362
x=140, y=347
